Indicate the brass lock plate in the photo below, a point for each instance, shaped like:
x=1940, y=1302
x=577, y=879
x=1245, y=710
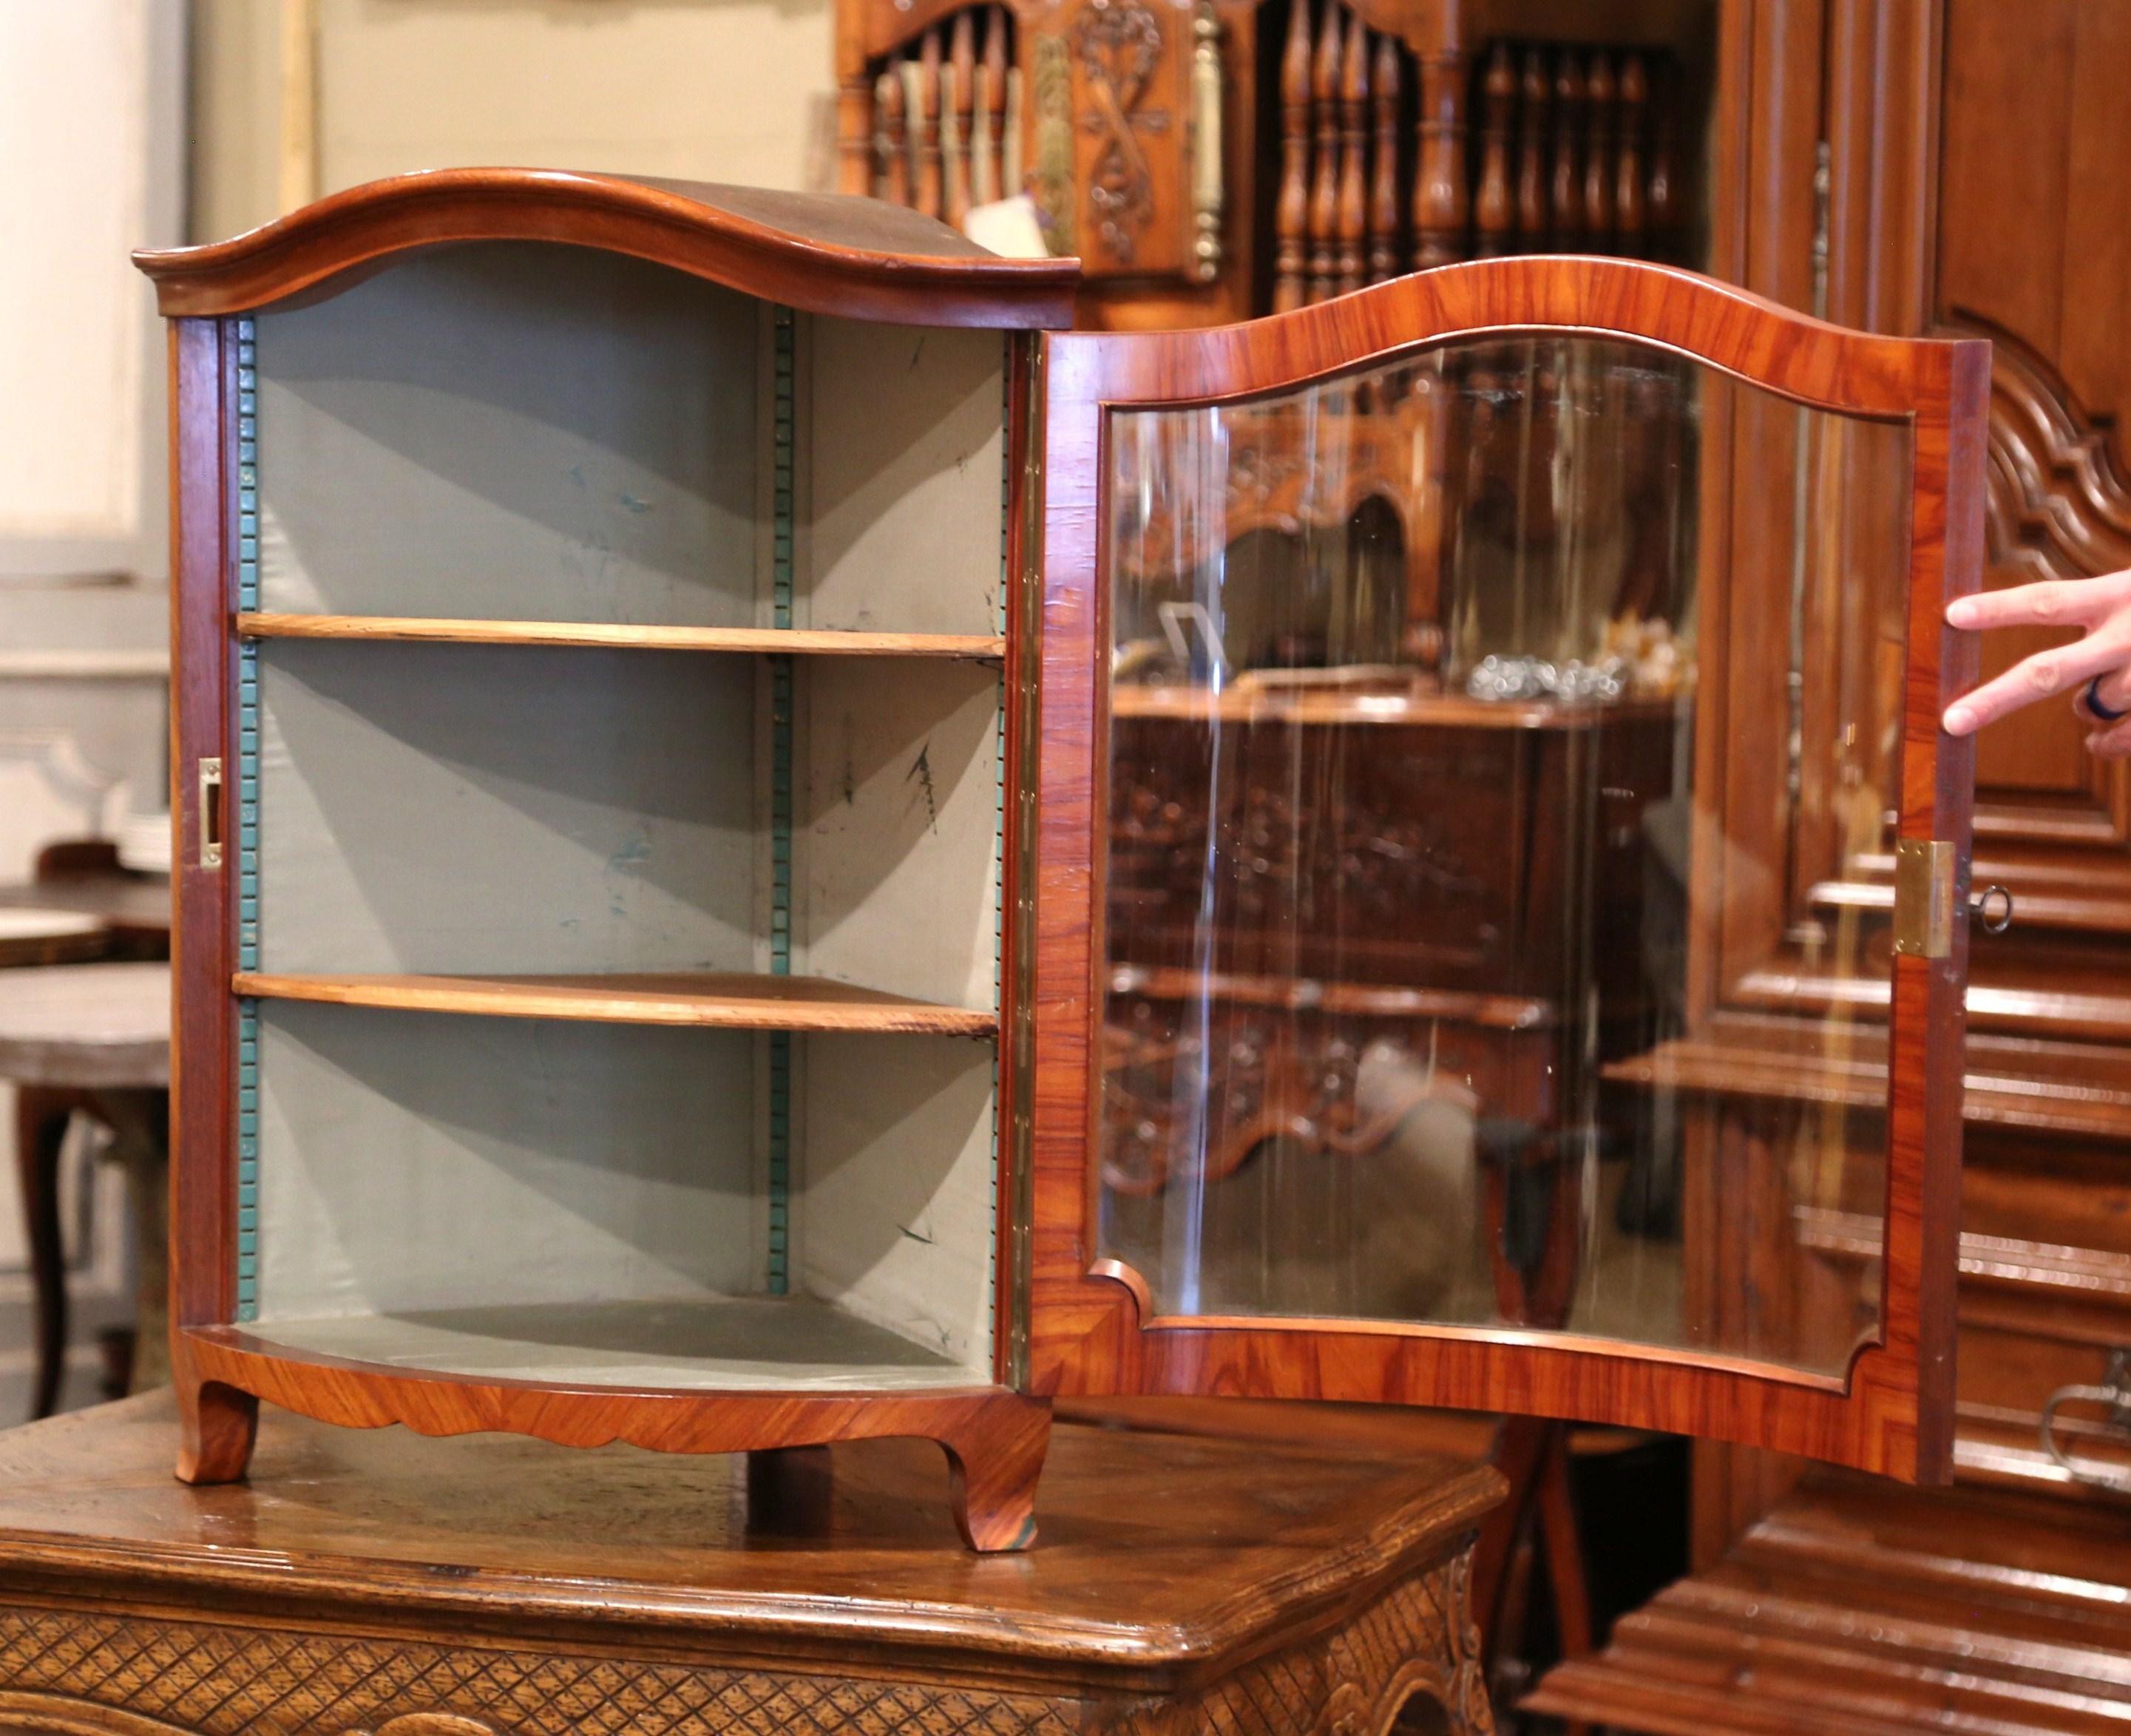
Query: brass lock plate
x=1924, y=898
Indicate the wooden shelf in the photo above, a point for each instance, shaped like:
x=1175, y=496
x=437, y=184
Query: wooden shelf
x=969, y=647
x=1246, y=701
x=723, y=1343
x=729, y=1001
x=1363, y=999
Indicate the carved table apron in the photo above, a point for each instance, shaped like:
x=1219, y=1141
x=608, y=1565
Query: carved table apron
x=379, y=1582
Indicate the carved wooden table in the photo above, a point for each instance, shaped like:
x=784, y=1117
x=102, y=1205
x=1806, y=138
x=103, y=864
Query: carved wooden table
x=94, y=1037
x=383, y=1582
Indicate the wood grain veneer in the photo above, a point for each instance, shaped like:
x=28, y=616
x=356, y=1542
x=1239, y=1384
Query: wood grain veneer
x=820, y=252
x=717, y=999
x=776, y=641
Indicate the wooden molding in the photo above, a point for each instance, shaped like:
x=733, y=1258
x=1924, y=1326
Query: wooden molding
x=2056, y=500
x=822, y=252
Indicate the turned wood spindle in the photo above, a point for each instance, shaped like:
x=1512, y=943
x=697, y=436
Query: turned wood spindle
x=1568, y=186
x=1384, y=182
x=1290, y=220
x=924, y=123
x=1324, y=190
x=1013, y=173
x=983, y=159
x=958, y=114
x=1494, y=207
x=988, y=142
x=1442, y=202
x=858, y=136
x=1599, y=91
x=1354, y=153
x=1630, y=213
x=893, y=139
x=1533, y=88
x=1661, y=213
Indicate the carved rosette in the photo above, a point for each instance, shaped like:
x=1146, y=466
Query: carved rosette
x=1117, y=46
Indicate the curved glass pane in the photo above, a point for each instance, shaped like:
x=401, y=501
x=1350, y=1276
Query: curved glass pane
x=1502, y=756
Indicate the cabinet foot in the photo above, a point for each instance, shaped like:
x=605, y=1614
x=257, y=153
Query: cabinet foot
x=790, y=1490
x=994, y=1461
x=218, y=1425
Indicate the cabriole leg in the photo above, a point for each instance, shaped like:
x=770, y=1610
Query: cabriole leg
x=218, y=1425
x=994, y=1461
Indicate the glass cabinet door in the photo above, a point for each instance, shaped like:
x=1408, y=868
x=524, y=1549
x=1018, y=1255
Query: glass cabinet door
x=1501, y=926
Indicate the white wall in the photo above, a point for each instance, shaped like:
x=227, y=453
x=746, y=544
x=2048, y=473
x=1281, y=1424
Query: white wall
x=90, y=167
x=91, y=160
x=89, y=94
x=732, y=90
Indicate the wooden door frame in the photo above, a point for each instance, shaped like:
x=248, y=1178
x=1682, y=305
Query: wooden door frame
x=1089, y=1334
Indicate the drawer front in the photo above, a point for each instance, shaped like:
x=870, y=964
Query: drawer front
x=88, y=1673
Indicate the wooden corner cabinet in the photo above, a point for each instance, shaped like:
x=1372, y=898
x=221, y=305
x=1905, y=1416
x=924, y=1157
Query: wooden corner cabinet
x=772, y=850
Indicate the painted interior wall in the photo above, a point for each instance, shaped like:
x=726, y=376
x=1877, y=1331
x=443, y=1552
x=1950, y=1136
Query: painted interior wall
x=736, y=90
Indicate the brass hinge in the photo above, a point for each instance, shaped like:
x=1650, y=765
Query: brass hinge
x=1924, y=898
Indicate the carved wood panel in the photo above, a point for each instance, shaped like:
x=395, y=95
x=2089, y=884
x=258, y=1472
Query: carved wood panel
x=2032, y=253
x=1200, y=179
x=84, y=1672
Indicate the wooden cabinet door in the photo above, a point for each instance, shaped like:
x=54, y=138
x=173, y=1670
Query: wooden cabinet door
x=1440, y=763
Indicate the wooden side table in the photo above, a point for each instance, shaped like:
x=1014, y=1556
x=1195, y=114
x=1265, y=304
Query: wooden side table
x=93, y=1036
x=379, y=1582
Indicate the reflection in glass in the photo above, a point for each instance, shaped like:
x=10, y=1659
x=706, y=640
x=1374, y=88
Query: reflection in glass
x=1495, y=792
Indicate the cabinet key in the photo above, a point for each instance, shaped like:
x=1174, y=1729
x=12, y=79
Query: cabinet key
x=1981, y=906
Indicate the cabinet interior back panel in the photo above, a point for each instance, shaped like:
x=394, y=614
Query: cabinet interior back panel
x=898, y=823
x=415, y=1161
x=902, y=430
x=490, y=810
x=893, y=1215
x=513, y=430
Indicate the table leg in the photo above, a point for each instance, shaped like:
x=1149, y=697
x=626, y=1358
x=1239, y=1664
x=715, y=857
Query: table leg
x=140, y=1122
x=41, y=1124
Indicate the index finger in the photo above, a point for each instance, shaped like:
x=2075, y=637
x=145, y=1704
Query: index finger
x=2047, y=603
x=2057, y=670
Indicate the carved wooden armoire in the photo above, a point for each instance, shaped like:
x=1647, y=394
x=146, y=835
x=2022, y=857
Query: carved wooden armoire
x=1970, y=179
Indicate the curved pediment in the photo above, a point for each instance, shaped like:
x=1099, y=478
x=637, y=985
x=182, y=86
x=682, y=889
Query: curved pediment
x=823, y=252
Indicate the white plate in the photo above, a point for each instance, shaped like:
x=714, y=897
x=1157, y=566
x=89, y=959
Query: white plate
x=42, y=924
x=144, y=843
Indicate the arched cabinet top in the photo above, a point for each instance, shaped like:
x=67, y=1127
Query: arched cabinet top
x=824, y=253
x=1791, y=354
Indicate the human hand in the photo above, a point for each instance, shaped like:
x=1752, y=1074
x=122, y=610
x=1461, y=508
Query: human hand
x=2097, y=667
